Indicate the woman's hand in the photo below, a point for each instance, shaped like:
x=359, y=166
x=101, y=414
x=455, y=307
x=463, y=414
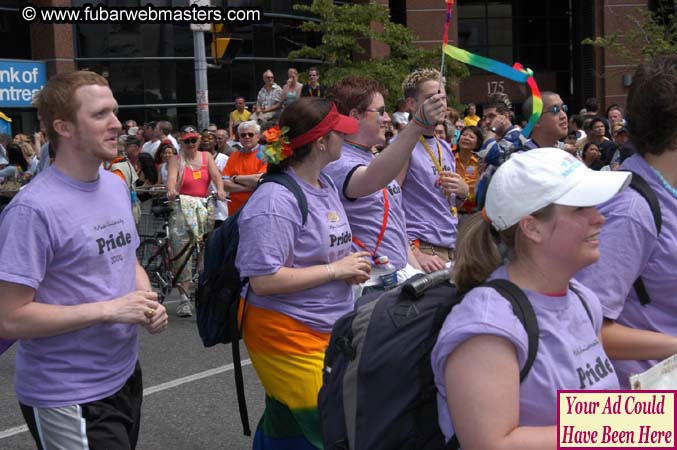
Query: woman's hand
x=222, y=195
x=355, y=265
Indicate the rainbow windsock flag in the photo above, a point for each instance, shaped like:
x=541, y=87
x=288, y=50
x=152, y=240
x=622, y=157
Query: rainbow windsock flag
x=516, y=73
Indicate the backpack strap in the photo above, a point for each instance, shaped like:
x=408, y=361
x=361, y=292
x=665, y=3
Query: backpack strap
x=585, y=305
x=522, y=308
x=640, y=185
x=288, y=182
x=235, y=335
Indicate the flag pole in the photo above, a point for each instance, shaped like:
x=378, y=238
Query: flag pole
x=445, y=41
x=439, y=86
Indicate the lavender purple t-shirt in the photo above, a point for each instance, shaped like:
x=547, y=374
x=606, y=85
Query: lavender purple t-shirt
x=569, y=356
x=427, y=210
x=629, y=247
x=73, y=242
x=272, y=235
x=366, y=213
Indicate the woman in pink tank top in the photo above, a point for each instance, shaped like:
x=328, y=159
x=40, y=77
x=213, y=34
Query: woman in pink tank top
x=189, y=175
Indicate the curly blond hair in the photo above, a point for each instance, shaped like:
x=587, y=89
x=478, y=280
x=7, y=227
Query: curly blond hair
x=411, y=84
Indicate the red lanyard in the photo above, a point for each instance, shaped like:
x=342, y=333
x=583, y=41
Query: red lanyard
x=386, y=208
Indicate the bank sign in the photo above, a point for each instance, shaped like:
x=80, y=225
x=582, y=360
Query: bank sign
x=20, y=81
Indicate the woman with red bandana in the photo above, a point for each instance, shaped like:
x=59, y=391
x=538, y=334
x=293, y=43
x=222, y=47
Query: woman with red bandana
x=300, y=275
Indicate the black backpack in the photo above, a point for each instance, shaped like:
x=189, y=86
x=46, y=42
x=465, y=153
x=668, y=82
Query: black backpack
x=219, y=286
x=378, y=389
x=640, y=185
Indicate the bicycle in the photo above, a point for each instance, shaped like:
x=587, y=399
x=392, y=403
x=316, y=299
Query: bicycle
x=156, y=256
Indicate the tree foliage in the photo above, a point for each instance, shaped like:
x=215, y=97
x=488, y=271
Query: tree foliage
x=649, y=34
x=343, y=27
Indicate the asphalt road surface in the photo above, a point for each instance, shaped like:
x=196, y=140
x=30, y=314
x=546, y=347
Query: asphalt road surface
x=189, y=394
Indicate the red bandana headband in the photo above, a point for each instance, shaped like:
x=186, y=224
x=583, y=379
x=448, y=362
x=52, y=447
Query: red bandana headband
x=319, y=130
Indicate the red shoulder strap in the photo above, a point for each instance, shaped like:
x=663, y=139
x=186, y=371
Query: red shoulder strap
x=386, y=208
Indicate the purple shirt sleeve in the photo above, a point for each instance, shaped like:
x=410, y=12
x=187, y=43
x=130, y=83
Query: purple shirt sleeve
x=266, y=244
x=626, y=243
x=26, y=248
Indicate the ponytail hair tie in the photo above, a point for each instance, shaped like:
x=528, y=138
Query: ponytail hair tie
x=495, y=235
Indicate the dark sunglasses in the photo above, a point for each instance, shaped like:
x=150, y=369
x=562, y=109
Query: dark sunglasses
x=556, y=109
x=189, y=141
x=247, y=134
x=380, y=111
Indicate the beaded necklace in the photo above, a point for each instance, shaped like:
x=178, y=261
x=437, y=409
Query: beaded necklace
x=671, y=189
x=364, y=148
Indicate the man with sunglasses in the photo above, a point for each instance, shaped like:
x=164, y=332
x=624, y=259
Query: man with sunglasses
x=269, y=100
x=551, y=127
x=370, y=191
x=244, y=168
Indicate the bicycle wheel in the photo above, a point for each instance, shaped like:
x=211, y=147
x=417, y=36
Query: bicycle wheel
x=152, y=258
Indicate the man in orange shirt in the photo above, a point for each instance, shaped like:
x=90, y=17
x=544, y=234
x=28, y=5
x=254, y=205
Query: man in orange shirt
x=244, y=168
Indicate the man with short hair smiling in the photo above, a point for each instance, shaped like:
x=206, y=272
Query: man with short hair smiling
x=244, y=168
x=73, y=292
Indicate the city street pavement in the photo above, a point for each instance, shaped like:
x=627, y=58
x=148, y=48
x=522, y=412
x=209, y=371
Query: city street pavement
x=189, y=393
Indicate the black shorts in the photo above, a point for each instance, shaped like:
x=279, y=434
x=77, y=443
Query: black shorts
x=111, y=423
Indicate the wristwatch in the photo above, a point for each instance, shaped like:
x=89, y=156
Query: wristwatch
x=493, y=130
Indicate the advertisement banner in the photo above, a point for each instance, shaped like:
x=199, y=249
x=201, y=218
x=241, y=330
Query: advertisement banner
x=20, y=81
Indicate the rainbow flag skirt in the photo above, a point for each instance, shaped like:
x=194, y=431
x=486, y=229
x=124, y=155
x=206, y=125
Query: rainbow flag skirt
x=288, y=357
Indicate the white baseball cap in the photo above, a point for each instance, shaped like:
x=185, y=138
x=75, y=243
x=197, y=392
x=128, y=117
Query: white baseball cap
x=537, y=178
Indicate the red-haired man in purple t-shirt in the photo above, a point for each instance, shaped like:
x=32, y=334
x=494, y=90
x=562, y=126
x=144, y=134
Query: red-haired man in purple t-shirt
x=72, y=290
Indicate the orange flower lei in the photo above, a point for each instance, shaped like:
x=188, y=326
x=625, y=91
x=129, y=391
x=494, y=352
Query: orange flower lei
x=279, y=147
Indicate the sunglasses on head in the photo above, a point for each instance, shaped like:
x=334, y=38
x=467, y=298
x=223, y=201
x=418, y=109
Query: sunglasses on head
x=380, y=111
x=189, y=141
x=247, y=135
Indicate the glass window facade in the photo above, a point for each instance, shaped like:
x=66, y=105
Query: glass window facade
x=151, y=69
x=14, y=33
x=536, y=33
